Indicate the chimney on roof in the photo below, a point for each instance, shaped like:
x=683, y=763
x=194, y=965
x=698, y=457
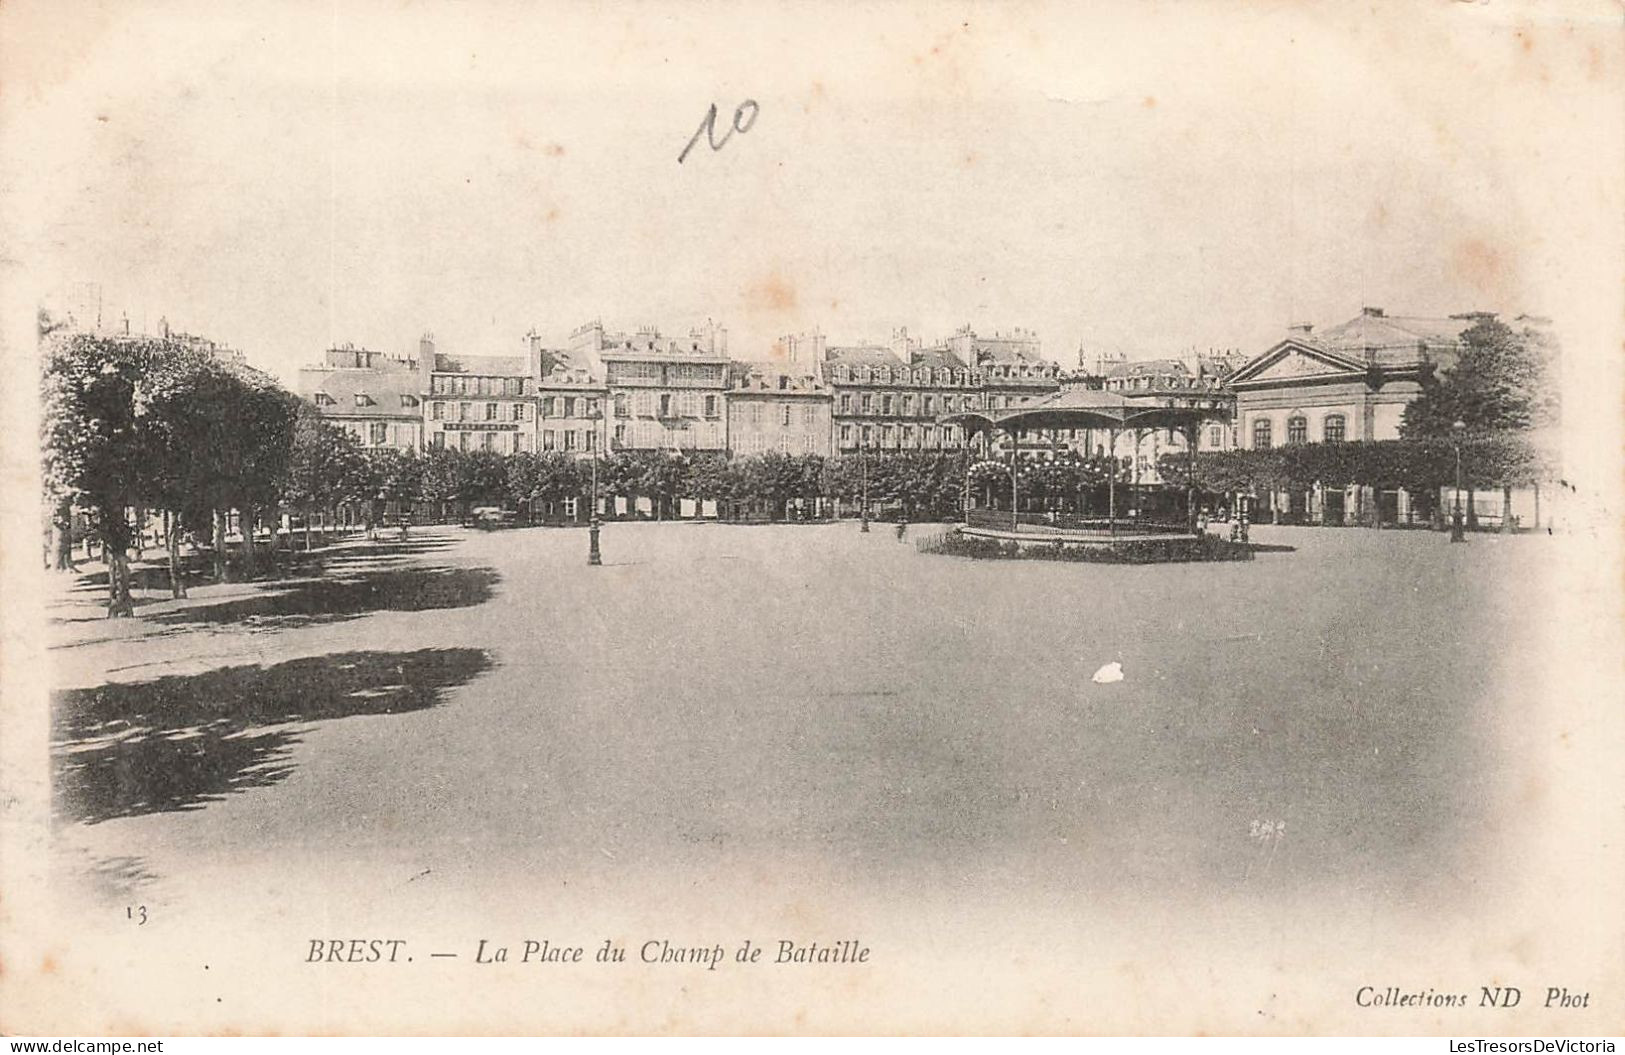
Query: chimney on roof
x=1303, y=328
x=426, y=345
x=1371, y=313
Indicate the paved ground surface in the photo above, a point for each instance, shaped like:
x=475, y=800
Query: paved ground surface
x=480, y=724
x=715, y=689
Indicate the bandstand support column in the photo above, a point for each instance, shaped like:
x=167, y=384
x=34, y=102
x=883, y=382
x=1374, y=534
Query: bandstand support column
x=1190, y=484
x=1015, y=486
x=966, y=500
x=1111, y=482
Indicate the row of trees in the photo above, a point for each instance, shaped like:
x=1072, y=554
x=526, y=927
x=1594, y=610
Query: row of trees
x=1420, y=466
x=149, y=424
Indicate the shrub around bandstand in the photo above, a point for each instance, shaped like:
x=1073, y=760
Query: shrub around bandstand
x=1180, y=550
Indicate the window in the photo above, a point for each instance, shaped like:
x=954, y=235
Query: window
x=1297, y=430
x=665, y=405
x=547, y=439
x=887, y=437
x=1215, y=437
x=519, y=412
x=930, y=405
x=785, y=416
x=809, y=415
x=1261, y=434
x=710, y=406
x=620, y=435
x=569, y=406
x=622, y=408
x=465, y=411
x=488, y=440
x=908, y=405
x=378, y=433
x=755, y=413
x=592, y=408
x=591, y=439
x=569, y=439
x=1336, y=428
x=409, y=401
x=846, y=402
x=438, y=412
x=490, y=412
x=885, y=404
x=462, y=441
x=908, y=435
x=363, y=400
x=868, y=403
x=439, y=441
x=521, y=442
x=324, y=400
x=868, y=435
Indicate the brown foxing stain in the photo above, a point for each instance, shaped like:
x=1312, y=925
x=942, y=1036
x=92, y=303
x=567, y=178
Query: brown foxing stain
x=772, y=294
x=554, y=150
x=1485, y=265
x=1379, y=215
x=971, y=157
x=552, y=214
x=47, y=964
x=1149, y=102
x=815, y=95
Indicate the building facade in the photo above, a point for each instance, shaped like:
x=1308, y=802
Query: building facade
x=1350, y=382
x=377, y=398
x=480, y=402
x=664, y=393
x=776, y=410
x=570, y=405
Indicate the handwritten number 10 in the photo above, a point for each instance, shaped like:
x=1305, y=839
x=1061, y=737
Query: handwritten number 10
x=744, y=118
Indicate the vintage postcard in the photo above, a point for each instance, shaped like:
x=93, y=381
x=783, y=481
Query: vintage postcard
x=775, y=518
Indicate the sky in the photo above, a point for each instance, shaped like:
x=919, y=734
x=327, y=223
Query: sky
x=1144, y=179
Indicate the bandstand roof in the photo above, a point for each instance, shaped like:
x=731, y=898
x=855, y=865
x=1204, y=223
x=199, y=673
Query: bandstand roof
x=1086, y=408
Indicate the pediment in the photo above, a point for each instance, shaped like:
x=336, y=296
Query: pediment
x=1294, y=361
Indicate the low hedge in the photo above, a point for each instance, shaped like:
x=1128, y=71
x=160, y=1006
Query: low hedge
x=1138, y=551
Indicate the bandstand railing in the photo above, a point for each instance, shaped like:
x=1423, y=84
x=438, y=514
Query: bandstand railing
x=1074, y=523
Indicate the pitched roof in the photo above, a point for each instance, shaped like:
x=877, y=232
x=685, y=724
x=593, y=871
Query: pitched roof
x=362, y=393
x=1369, y=332
x=510, y=365
x=1147, y=366
x=862, y=355
x=936, y=359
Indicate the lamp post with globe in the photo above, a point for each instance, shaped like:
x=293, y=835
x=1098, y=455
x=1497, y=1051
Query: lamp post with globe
x=1456, y=532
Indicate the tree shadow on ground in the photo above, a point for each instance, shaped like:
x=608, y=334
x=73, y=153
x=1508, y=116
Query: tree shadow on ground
x=349, y=596
x=182, y=741
x=197, y=569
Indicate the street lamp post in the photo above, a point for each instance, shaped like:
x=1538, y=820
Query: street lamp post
x=863, y=470
x=1456, y=532
x=594, y=557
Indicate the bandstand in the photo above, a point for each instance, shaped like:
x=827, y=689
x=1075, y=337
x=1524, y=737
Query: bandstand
x=1085, y=411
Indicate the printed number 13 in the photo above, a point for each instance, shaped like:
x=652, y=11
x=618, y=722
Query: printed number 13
x=137, y=913
x=744, y=118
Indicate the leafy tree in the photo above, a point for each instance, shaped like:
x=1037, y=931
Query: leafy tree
x=1501, y=382
x=325, y=467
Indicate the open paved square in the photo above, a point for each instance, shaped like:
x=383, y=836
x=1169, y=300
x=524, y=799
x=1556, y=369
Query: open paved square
x=484, y=704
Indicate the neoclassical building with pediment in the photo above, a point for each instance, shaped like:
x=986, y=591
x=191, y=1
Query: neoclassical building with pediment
x=1350, y=382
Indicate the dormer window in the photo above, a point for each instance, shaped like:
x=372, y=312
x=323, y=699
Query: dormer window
x=409, y=400
x=324, y=400
x=363, y=400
